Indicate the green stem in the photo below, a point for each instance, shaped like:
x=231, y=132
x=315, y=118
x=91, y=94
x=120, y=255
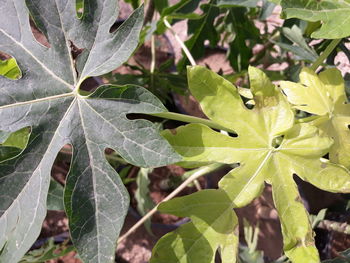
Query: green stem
x=306, y=119
x=182, y=44
x=191, y=119
x=202, y=171
x=153, y=61
x=325, y=54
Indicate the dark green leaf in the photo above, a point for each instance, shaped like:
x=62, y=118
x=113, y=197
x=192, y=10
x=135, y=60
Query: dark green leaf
x=333, y=14
x=48, y=99
x=160, y=5
x=201, y=30
x=144, y=201
x=55, y=196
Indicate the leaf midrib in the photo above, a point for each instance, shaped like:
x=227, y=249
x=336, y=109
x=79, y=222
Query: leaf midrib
x=83, y=76
x=70, y=94
x=93, y=184
x=262, y=164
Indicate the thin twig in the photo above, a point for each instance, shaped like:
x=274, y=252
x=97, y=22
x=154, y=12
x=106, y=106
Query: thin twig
x=182, y=44
x=191, y=119
x=335, y=226
x=200, y=172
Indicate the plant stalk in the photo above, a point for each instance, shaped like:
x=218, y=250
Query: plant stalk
x=198, y=173
x=335, y=226
x=325, y=54
x=182, y=44
x=191, y=119
x=153, y=61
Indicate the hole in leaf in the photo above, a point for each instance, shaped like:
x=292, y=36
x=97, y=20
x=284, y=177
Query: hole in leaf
x=124, y=169
x=9, y=67
x=326, y=156
x=276, y=142
x=349, y=126
x=233, y=135
x=75, y=51
x=217, y=257
x=4, y=56
x=39, y=36
x=140, y=116
x=62, y=163
x=12, y=144
x=116, y=25
x=79, y=8
x=59, y=174
x=91, y=84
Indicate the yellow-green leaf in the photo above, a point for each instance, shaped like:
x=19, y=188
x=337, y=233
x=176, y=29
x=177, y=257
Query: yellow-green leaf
x=213, y=226
x=269, y=148
x=10, y=69
x=324, y=95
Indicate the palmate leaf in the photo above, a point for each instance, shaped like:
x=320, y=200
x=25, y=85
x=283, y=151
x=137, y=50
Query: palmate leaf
x=334, y=15
x=269, y=148
x=324, y=95
x=213, y=226
x=47, y=98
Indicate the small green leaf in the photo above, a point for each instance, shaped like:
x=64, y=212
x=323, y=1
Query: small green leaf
x=55, y=196
x=333, y=14
x=213, y=226
x=47, y=252
x=182, y=8
x=144, y=201
x=10, y=69
x=324, y=95
x=299, y=47
x=13, y=143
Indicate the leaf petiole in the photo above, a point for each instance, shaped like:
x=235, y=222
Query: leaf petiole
x=325, y=54
x=191, y=119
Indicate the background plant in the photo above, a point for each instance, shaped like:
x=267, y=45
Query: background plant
x=229, y=25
